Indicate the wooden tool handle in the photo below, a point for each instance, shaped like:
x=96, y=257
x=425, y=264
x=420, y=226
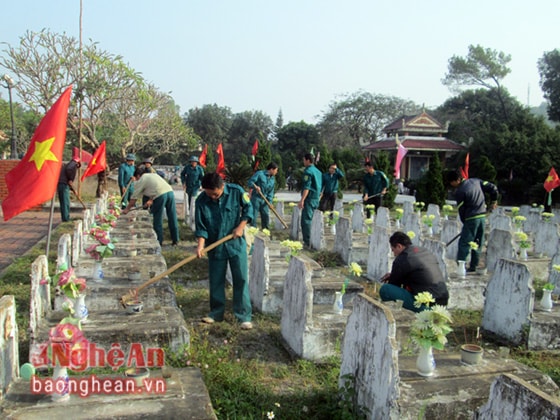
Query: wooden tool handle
x=273, y=209
x=183, y=262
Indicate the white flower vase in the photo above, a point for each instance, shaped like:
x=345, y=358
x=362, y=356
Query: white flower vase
x=60, y=384
x=397, y=224
x=333, y=229
x=338, y=306
x=80, y=309
x=445, y=217
x=523, y=254
x=430, y=231
x=425, y=363
x=419, y=213
x=97, y=271
x=546, y=301
x=461, y=269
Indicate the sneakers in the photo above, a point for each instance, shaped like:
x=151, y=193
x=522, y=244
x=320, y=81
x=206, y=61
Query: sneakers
x=247, y=325
x=208, y=320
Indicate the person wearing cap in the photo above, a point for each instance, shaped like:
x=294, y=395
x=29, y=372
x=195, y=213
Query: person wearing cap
x=310, y=193
x=126, y=171
x=148, y=162
x=161, y=197
x=191, y=177
x=65, y=180
x=262, y=181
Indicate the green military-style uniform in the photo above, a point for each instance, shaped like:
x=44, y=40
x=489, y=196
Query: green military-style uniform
x=265, y=182
x=374, y=184
x=67, y=175
x=312, y=181
x=126, y=172
x=215, y=219
x=330, y=189
x=191, y=179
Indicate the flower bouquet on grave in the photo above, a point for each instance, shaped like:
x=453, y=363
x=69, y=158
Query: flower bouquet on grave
x=518, y=221
x=332, y=217
x=419, y=205
x=103, y=246
x=369, y=225
x=106, y=221
x=411, y=234
x=70, y=284
x=428, y=220
x=67, y=345
x=523, y=240
x=514, y=211
x=398, y=216
x=546, y=216
x=114, y=202
x=446, y=209
x=429, y=330
x=294, y=247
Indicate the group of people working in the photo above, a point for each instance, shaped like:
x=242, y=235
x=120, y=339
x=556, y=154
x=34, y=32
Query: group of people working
x=225, y=209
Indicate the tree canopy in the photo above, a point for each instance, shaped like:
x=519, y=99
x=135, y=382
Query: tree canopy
x=549, y=69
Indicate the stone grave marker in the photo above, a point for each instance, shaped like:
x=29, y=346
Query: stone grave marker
x=358, y=218
x=280, y=210
x=546, y=238
x=317, y=237
x=343, y=240
x=450, y=229
x=500, y=245
x=434, y=209
x=295, y=225
x=509, y=300
x=379, y=254
x=383, y=217
x=9, y=351
x=370, y=358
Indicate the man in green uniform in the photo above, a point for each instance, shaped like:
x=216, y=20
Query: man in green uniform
x=160, y=196
x=262, y=181
x=330, y=187
x=126, y=172
x=375, y=186
x=191, y=176
x=310, y=193
x=221, y=210
x=65, y=181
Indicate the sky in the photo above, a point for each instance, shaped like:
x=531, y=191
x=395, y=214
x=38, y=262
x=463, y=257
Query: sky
x=298, y=56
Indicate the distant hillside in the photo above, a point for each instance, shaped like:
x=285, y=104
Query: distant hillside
x=541, y=110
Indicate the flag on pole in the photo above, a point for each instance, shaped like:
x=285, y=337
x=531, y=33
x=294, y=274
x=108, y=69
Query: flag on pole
x=202, y=158
x=221, y=167
x=401, y=153
x=255, y=149
x=85, y=157
x=552, y=180
x=465, y=169
x=33, y=181
x=98, y=162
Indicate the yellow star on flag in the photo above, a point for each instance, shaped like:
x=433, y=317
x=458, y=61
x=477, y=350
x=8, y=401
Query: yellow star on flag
x=550, y=178
x=94, y=162
x=42, y=153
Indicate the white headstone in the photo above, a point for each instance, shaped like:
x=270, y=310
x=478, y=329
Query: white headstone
x=383, y=217
x=343, y=242
x=358, y=218
x=379, y=254
x=295, y=226
x=500, y=245
x=546, y=238
x=317, y=237
x=433, y=209
x=280, y=210
x=509, y=300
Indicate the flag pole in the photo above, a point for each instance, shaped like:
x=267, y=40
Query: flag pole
x=49, y=231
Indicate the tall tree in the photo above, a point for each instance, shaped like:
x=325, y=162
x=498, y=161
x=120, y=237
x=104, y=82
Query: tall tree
x=294, y=140
x=211, y=123
x=481, y=67
x=549, y=69
x=358, y=118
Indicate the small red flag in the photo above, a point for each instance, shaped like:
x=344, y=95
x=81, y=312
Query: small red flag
x=255, y=149
x=465, y=169
x=221, y=167
x=98, y=162
x=202, y=158
x=85, y=158
x=33, y=181
x=552, y=181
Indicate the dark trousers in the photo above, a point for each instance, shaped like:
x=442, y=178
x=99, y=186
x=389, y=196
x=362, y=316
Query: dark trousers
x=63, y=191
x=377, y=201
x=327, y=201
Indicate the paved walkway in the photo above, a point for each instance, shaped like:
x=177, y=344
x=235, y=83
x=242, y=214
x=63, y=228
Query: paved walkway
x=19, y=234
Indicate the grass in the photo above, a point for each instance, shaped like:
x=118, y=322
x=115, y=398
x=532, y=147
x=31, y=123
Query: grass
x=250, y=374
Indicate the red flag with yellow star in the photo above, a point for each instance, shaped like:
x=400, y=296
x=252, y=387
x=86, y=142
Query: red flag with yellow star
x=552, y=181
x=98, y=162
x=33, y=181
